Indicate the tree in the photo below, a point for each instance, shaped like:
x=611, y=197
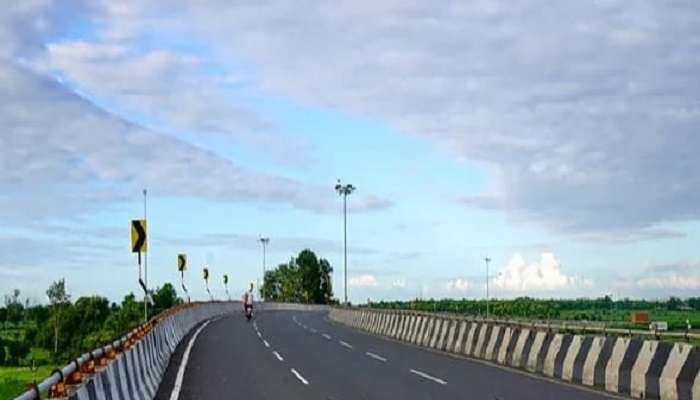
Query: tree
x=304, y=279
x=310, y=276
x=674, y=303
x=165, y=297
x=16, y=351
x=2, y=352
x=326, y=283
x=14, y=307
x=57, y=297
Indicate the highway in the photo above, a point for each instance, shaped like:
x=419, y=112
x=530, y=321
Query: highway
x=302, y=355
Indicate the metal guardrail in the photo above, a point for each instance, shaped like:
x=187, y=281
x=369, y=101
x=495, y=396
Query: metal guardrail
x=547, y=325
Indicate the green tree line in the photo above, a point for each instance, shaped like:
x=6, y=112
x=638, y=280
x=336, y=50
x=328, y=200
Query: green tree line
x=66, y=329
x=304, y=279
x=673, y=310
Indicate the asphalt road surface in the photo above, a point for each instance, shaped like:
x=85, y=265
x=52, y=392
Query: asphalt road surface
x=302, y=355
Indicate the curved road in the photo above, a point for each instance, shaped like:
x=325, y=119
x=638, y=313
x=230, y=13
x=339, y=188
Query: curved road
x=302, y=355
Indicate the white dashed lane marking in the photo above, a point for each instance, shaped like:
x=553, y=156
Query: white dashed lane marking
x=266, y=343
x=376, y=357
x=327, y=336
x=279, y=357
x=301, y=378
x=429, y=377
x=345, y=344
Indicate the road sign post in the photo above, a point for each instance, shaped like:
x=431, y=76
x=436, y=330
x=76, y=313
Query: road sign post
x=139, y=244
x=182, y=267
x=205, y=275
x=226, y=287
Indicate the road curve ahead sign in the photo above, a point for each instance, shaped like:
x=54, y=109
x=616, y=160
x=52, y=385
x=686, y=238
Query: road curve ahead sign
x=181, y=262
x=139, y=244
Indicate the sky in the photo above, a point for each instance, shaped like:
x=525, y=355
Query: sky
x=558, y=139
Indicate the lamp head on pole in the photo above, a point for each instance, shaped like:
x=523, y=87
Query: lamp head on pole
x=344, y=189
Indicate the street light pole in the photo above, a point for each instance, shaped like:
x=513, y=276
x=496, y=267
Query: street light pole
x=264, y=241
x=345, y=190
x=487, y=260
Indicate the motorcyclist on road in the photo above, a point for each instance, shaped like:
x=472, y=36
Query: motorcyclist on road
x=248, y=302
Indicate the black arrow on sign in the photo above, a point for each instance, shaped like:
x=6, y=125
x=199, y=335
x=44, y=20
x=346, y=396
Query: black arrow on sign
x=141, y=236
x=181, y=262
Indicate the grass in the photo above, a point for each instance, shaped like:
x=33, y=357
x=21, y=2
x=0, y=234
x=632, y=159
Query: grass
x=15, y=380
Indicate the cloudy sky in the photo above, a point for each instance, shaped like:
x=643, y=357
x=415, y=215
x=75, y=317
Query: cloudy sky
x=559, y=139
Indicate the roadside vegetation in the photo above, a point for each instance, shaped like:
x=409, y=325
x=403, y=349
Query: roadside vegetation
x=676, y=312
x=36, y=338
x=304, y=279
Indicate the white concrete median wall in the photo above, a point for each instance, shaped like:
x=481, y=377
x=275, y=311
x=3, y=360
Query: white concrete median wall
x=638, y=368
x=136, y=373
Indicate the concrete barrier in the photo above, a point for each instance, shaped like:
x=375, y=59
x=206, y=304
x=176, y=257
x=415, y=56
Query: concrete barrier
x=634, y=367
x=136, y=373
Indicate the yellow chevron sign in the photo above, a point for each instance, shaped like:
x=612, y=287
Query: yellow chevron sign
x=181, y=262
x=139, y=242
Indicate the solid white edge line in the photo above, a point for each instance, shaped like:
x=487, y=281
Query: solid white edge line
x=266, y=344
x=426, y=376
x=348, y=345
x=301, y=378
x=376, y=357
x=175, y=394
x=279, y=357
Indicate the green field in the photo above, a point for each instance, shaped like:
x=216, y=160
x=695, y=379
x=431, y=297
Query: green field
x=677, y=313
x=15, y=380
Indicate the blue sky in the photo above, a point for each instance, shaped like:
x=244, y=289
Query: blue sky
x=559, y=141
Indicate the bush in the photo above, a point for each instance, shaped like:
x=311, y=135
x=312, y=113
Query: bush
x=17, y=351
x=30, y=334
x=2, y=352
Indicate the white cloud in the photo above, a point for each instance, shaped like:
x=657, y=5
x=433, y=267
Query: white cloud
x=458, y=285
x=365, y=280
x=670, y=281
x=565, y=91
x=547, y=98
x=172, y=90
x=399, y=283
x=683, y=275
x=544, y=275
